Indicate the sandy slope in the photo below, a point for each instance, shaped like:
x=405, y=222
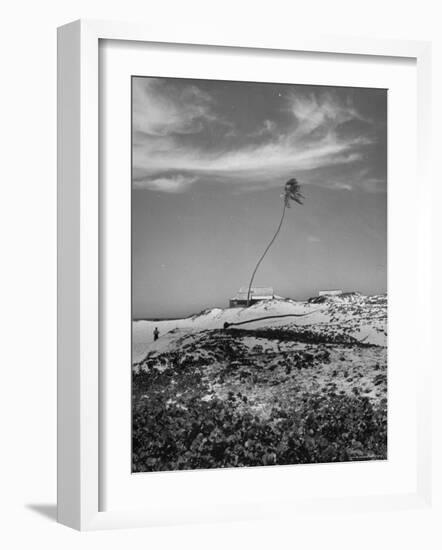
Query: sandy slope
x=362, y=317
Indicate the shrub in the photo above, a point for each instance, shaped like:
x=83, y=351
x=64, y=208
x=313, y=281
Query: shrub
x=216, y=433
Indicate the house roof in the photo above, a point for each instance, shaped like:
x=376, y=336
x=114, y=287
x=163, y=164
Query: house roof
x=256, y=293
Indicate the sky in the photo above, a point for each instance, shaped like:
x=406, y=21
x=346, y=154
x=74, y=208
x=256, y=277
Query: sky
x=209, y=163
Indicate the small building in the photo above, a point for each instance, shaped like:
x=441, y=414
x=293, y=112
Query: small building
x=257, y=294
x=332, y=292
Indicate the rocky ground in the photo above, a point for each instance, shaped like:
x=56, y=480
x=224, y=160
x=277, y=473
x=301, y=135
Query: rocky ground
x=307, y=385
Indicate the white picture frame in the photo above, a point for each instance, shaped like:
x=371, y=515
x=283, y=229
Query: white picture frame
x=79, y=390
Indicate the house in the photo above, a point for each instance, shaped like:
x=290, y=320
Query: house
x=332, y=292
x=257, y=294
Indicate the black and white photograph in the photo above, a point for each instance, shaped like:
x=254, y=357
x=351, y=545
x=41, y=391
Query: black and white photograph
x=259, y=274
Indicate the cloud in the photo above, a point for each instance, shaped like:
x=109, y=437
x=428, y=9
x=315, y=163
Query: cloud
x=325, y=112
x=362, y=180
x=268, y=129
x=341, y=186
x=156, y=113
x=173, y=184
x=168, y=157
x=313, y=239
x=262, y=161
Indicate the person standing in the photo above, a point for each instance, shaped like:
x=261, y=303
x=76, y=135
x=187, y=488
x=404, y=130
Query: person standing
x=156, y=334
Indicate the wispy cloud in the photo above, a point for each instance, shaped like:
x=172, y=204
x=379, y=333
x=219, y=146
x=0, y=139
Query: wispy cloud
x=313, y=239
x=177, y=183
x=282, y=154
x=324, y=112
x=268, y=129
x=360, y=179
x=157, y=114
x=167, y=157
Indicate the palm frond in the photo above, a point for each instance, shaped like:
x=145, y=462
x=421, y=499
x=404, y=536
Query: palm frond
x=292, y=191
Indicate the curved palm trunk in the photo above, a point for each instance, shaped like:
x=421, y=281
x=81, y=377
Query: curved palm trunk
x=265, y=252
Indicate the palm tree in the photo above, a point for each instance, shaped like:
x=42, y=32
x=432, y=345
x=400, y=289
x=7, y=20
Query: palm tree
x=292, y=191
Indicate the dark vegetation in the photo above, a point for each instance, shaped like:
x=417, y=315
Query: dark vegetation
x=301, y=335
x=193, y=409
x=220, y=433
